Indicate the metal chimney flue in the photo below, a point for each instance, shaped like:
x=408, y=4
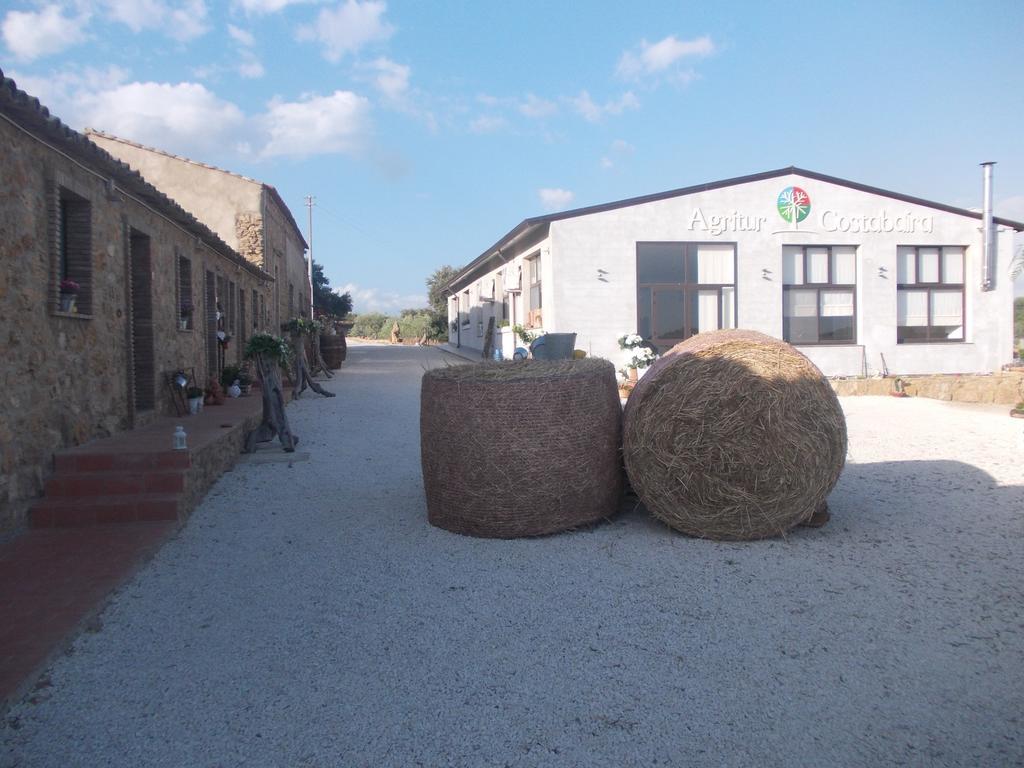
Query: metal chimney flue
x=988, y=231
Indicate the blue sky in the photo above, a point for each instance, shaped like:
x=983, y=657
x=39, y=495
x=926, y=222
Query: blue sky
x=427, y=130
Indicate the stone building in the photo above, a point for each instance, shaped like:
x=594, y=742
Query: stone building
x=155, y=286
x=248, y=214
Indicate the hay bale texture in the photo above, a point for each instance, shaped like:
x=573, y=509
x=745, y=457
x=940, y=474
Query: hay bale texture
x=521, y=449
x=733, y=435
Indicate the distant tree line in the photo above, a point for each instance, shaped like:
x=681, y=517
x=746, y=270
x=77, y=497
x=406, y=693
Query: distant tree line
x=412, y=323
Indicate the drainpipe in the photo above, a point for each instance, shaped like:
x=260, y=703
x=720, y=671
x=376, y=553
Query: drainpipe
x=988, y=231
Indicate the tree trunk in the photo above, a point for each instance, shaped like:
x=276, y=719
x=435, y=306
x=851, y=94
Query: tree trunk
x=319, y=365
x=303, y=378
x=275, y=421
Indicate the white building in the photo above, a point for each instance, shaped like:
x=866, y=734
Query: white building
x=858, y=278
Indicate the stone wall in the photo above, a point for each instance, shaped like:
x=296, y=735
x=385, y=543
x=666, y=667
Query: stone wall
x=67, y=377
x=249, y=231
x=1006, y=388
x=283, y=241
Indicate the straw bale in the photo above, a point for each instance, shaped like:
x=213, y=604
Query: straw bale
x=521, y=448
x=733, y=435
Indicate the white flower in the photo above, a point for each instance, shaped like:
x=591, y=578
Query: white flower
x=630, y=341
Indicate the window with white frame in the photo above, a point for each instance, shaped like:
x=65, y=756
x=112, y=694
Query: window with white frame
x=464, y=308
x=929, y=294
x=684, y=289
x=819, y=294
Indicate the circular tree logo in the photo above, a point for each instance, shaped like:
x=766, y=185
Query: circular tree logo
x=794, y=204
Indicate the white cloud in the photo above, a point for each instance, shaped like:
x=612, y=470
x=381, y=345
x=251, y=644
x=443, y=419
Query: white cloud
x=348, y=27
x=316, y=125
x=555, y=199
x=487, y=124
x=594, y=112
x=249, y=66
x=188, y=119
x=380, y=300
x=266, y=6
x=619, y=149
x=536, y=107
x=183, y=118
x=241, y=36
x=390, y=78
x=30, y=34
x=185, y=21
x=657, y=58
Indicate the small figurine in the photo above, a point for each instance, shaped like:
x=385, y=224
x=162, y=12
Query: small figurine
x=214, y=392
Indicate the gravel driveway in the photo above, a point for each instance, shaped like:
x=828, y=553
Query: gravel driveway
x=308, y=615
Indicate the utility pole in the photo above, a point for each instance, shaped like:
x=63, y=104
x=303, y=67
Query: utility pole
x=309, y=205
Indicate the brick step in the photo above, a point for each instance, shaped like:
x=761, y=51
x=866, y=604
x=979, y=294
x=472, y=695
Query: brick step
x=70, y=512
x=78, y=461
x=115, y=483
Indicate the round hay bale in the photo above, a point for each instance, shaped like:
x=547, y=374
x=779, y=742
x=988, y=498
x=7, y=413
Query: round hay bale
x=521, y=449
x=733, y=435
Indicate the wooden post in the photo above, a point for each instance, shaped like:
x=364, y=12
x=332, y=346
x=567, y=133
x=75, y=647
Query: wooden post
x=275, y=421
x=303, y=379
x=489, y=340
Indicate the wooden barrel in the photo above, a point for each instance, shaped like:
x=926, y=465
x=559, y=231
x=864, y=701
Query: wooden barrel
x=334, y=350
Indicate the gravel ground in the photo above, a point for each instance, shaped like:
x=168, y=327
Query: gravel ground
x=309, y=616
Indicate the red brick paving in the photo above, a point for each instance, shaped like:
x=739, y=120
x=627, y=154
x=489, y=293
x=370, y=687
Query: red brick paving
x=50, y=580
x=121, y=494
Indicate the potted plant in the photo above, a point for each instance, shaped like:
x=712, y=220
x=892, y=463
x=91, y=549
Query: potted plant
x=68, y=295
x=245, y=381
x=195, y=399
x=228, y=375
x=642, y=356
x=186, y=313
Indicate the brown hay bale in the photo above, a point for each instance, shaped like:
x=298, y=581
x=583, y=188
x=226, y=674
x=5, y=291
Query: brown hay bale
x=520, y=449
x=733, y=435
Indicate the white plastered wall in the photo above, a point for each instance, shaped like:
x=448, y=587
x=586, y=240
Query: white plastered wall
x=601, y=306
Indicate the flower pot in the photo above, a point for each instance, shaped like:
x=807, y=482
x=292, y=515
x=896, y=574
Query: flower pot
x=67, y=302
x=194, y=404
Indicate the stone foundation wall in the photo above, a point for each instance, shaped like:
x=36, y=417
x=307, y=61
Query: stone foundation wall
x=66, y=377
x=1005, y=388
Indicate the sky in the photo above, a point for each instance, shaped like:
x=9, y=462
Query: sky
x=427, y=130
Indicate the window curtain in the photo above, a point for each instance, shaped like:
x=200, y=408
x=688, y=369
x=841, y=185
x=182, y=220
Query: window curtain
x=952, y=265
x=707, y=311
x=912, y=308
x=844, y=266
x=801, y=304
x=906, y=272
x=728, y=307
x=817, y=265
x=715, y=265
x=792, y=266
x=929, y=259
x=946, y=307
x=837, y=304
